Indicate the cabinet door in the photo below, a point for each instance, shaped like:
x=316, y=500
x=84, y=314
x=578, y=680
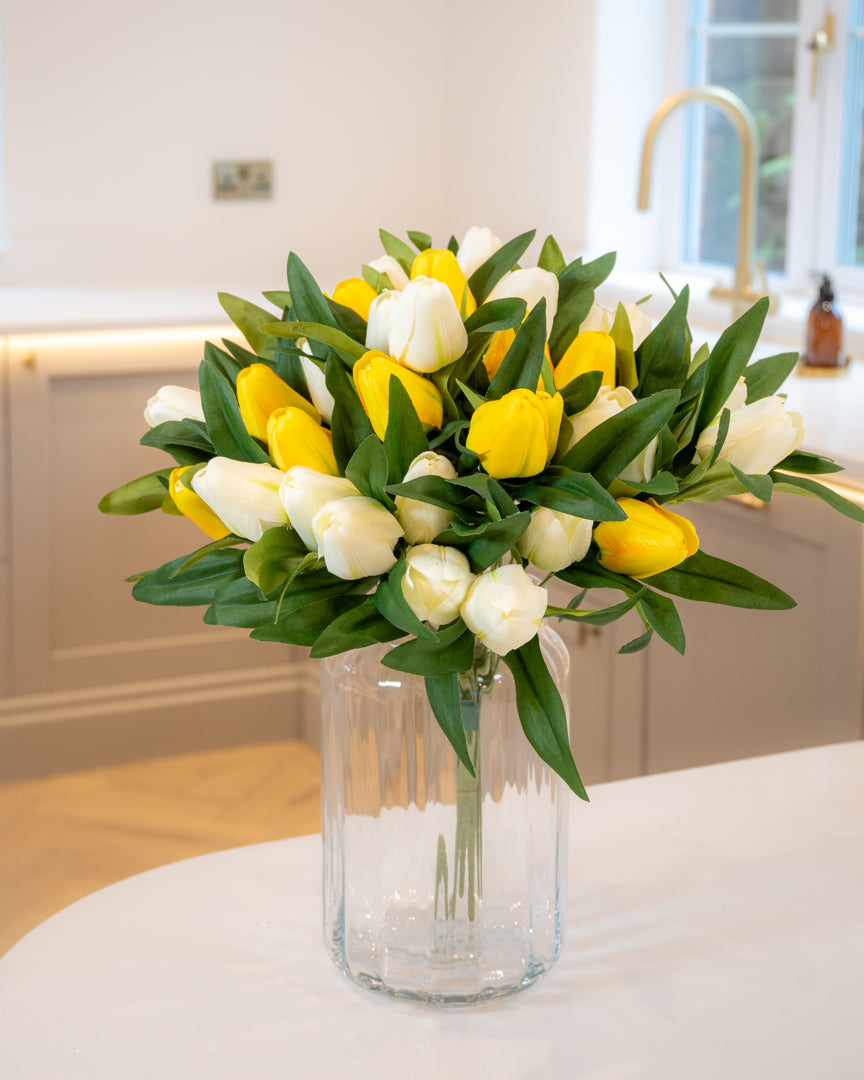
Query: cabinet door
x=754, y=682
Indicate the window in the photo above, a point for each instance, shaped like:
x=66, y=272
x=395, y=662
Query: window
x=809, y=110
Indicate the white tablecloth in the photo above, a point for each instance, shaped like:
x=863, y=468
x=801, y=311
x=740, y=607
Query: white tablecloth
x=715, y=930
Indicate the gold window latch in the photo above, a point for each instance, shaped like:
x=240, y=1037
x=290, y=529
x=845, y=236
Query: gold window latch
x=823, y=42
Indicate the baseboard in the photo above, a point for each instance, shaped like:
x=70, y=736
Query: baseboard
x=59, y=731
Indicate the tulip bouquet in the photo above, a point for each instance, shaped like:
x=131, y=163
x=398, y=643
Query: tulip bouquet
x=387, y=462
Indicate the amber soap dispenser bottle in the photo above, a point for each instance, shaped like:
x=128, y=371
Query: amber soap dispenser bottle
x=824, y=330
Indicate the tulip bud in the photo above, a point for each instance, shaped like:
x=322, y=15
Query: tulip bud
x=606, y=404
x=260, y=392
x=356, y=294
x=322, y=399
x=554, y=540
x=426, y=329
x=591, y=350
x=293, y=438
x=517, y=434
x=504, y=608
x=386, y=264
x=372, y=374
x=600, y=318
x=478, y=244
x=421, y=521
x=759, y=436
x=304, y=491
x=435, y=582
x=243, y=494
x=173, y=403
x=530, y=284
x=193, y=506
x=442, y=265
x=650, y=541
x=356, y=537
x=380, y=318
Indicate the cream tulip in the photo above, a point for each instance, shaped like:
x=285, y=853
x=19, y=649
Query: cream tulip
x=244, y=495
x=356, y=537
x=304, y=491
x=478, y=244
x=322, y=399
x=380, y=318
x=554, y=540
x=173, y=403
x=426, y=331
x=504, y=608
x=422, y=521
x=435, y=582
x=386, y=264
x=606, y=404
x=530, y=284
x=759, y=436
x=600, y=318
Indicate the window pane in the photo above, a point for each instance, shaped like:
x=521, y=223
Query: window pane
x=851, y=225
x=733, y=11
x=761, y=70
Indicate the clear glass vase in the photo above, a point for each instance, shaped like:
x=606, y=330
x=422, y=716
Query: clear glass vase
x=439, y=886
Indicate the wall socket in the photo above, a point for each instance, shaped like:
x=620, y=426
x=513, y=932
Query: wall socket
x=243, y=180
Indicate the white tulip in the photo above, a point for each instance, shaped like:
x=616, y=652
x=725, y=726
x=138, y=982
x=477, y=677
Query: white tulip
x=478, y=244
x=530, y=284
x=737, y=399
x=600, y=318
x=422, y=521
x=173, y=403
x=426, y=332
x=759, y=436
x=554, y=540
x=322, y=399
x=304, y=491
x=608, y=403
x=435, y=582
x=244, y=495
x=386, y=264
x=504, y=608
x=380, y=317
x=356, y=537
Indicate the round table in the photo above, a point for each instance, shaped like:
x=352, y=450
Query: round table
x=715, y=929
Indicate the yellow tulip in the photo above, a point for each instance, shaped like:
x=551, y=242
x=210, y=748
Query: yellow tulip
x=294, y=438
x=372, y=378
x=193, y=506
x=592, y=350
x=517, y=434
x=355, y=293
x=443, y=266
x=650, y=541
x=260, y=392
x=497, y=350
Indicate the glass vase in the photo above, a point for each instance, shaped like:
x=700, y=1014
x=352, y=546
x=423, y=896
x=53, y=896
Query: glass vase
x=439, y=886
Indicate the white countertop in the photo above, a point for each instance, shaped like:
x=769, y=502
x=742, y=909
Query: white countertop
x=715, y=929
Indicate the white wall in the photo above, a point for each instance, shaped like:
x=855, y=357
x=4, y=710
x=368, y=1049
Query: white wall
x=411, y=115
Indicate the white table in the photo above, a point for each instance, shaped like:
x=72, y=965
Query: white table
x=716, y=930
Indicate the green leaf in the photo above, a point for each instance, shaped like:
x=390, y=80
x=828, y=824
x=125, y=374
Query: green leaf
x=349, y=424
x=570, y=492
x=392, y=604
x=489, y=489
x=240, y=603
x=445, y=701
x=306, y=624
x=362, y=625
x=757, y=484
x=728, y=360
x=766, y=376
x=494, y=540
x=705, y=578
x=280, y=297
x=496, y=315
x=421, y=240
x=801, y=462
x=398, y=250
x=551, y=257
x=185, y=440
x=799, y=485
x=348, y=320
x=542, y=714
x=224, y=422
x=309, y=303
x=137, y=496
x=404, y=439
x=225, y=359
x=324, y=335
x=611, y=446
x=660, y=613
x=637, y=644
x=601, y=616
x=662, y=360
x=581, y=391
x=486, y=277
x=196, y=585
x=367, y=469
x=270, y=561
x=452, y=653
x=523, y=361
x=576, y=285
x=625, y=359
x=436, y=491
x=248, y=318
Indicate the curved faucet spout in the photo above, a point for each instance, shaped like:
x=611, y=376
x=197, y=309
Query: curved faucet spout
x=745, y=126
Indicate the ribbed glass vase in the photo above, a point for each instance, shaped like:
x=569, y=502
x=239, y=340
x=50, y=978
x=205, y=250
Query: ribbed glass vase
x=439, y=886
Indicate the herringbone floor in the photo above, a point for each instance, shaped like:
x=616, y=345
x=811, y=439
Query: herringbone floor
x=63, y=837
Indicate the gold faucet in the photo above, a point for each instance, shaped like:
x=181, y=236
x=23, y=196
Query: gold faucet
x=742, y=294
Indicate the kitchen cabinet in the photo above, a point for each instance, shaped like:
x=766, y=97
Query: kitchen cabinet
x=90, y=676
